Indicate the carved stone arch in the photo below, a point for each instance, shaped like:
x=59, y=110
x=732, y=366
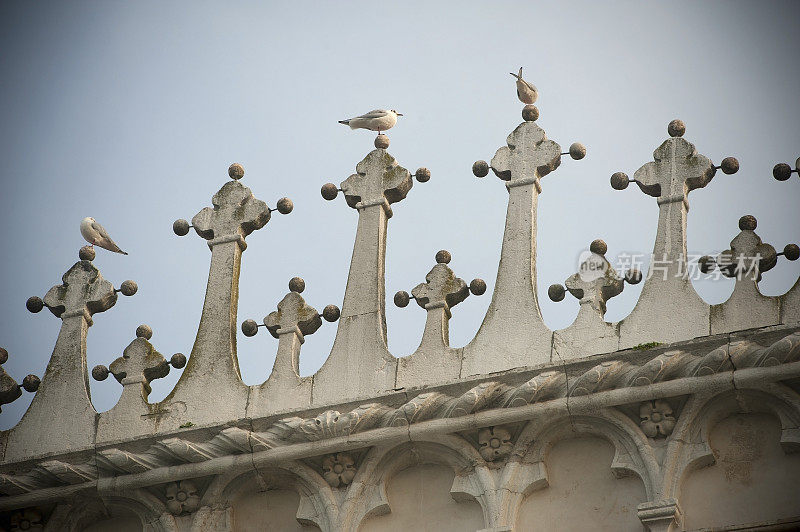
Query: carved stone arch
x=366, y=496
x=690, y=449
x=318, y=504
x=83, y=512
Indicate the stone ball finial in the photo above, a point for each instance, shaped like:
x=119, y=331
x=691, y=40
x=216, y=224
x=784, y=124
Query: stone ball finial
x=729, y=165
x=791, y=251
x=329, y=191
x=402, y=298
x=236, y=171
x=676, y=128
x=3, y=356
x=128, y=288
x=598, y=246
x=633, y=276
x=556, y=292
x=477, y=287
x=34, y=304
x=86, y=253
x=782, y=171
x=748, y=223
x=423, y=175
x=297, y=285
x=285, y=206
x=331, y=313
x=480, y=168
x=443, y=257
x=178, y=360
x=31, y=383
x=577, y=151
x=100, y=372
x=382, y=141
x=144, y=331
x=530, y=113
x=180, y=227
x=706, y=264
x=619, y=181
x=249, y=327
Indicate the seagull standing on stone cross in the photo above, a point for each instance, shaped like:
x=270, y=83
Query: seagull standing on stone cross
x=95, y=234
x=377, y=120
x=526, y=92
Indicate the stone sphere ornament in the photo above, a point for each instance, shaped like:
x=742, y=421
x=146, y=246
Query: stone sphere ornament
x=297, y=285
x=633, y=276
x=285, y=206
x=619, y=181
x=556, y=292
x=480, y=168
x=329, y=191
x=598, y=246
x=706, y=264
x=676, y=128
x=249, y=327
x=423, y=175
x=99, y=372
x=748, y=223
x=3, y=356
x=782, y=171
x=530, y=113
x=401, y=299
x=178, y=360
x=443, y=257
x=236, y=171
x=331, y=313
x=128, y=288
x=34, y=304
x=144, y=331
x=31, y=383
x=180, y=227
x=729, y=165
x=791, y=251
x=86, y=253
x=382, y=141
x=477, y=287
x=577, y=151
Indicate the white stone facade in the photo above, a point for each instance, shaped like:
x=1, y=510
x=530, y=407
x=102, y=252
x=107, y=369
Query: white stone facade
x=682, y=416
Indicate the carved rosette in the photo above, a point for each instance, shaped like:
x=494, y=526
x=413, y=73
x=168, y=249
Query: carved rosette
x=495, y=443
x=182, y=497
x=28, y=519
x=657, y=418
x=338, y=469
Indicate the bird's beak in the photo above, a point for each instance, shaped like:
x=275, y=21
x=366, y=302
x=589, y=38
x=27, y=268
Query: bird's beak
x=399, y=114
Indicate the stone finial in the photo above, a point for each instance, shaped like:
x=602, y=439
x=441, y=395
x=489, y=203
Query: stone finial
x=378, y=180
x=83, y=292
x=529, y=155
x=293, y=315
x=9, y=389
x=783, y=171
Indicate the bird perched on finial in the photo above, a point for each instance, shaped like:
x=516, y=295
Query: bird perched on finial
x=526, y=92
x=377, y=120
x=95, y=234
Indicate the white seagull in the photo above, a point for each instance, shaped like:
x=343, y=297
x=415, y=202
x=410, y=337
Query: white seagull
x=526, y=92
x=95, y=234
x=377, y=120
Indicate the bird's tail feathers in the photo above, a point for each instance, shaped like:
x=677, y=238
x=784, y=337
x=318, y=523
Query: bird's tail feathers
x=123, y=252
x=518, y=76
x=345, y=122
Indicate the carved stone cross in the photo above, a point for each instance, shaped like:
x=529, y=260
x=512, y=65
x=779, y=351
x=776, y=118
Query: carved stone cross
x=748, y=256
x=139, y=363
x=595, y=283
x=236, y=214
x=528, y=156
x=378, y=179
x=441, y=289
x=83, y=292
x=676, y=170
x=293, y=315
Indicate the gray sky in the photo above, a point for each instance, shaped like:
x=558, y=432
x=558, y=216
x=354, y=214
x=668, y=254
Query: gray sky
x=132, y=112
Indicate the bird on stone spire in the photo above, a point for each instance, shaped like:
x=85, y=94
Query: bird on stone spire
x=526, y=92
x=95, y=234
x=377, y=120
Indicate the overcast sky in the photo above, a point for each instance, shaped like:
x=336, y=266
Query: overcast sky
x=131, y=113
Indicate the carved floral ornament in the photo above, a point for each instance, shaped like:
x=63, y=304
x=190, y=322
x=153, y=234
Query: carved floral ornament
x=495, y=443
x=182, y=497
x=28, y=519
x=657, y=418
x=338, y=469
